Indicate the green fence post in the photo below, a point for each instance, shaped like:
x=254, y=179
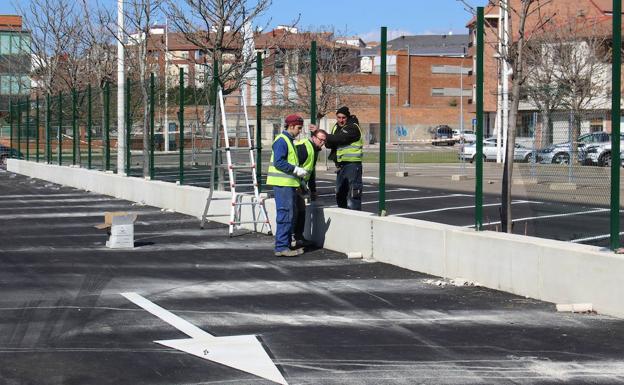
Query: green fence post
x=11, y=117
x=313, y=82
x=181, y=118
x=258, y=120
x=48, y=128
x=382, y=123
x=107, y=126
x=128, y=126
x=151, y=123
x=28, y=128
x=74, y=128
x=19, y=128
x=615, y=124
x=216, y=155
x=89, y=127
x=479, y=150
x=37, y=134
x=60, y=128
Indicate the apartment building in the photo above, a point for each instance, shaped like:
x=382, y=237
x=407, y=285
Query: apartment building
x=597, y=14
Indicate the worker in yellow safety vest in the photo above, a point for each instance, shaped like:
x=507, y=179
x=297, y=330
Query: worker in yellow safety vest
x=307, y=152
x=346, y=143
x=285, y=176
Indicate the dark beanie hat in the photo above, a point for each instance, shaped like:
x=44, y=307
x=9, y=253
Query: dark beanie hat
x=294, y=119
x=344, y=110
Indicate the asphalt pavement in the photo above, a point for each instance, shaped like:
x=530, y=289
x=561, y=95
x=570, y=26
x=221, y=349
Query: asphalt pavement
x=66, y=316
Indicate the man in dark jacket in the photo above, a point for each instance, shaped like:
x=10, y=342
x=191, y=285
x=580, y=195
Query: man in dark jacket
x=307, y=152
x=346, y=142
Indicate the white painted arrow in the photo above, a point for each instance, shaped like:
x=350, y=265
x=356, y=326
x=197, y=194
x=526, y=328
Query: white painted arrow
x=240, y=352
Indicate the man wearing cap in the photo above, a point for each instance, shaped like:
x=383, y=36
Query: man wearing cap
x=285, y=176
x=346, y=143
x=307, y=152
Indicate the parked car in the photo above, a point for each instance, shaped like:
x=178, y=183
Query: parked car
x=560, y=152
x=8, y=152
x=521, y=153
x=598, y=154
x=443, y=135
x=468, y=136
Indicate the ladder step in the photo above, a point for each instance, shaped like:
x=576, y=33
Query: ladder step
x=243, y=184
x=247, y=222
x=236, y=148
x=247, y=203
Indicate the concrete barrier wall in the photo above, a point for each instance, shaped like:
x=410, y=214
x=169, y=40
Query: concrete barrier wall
x=549, y=270
x=188, y=200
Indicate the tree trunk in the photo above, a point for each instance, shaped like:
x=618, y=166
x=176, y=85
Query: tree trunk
x=545, y=136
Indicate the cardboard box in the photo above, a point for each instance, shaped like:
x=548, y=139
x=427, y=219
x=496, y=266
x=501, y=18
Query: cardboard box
x=120, y=226
x=117, y=218
x=120, y=242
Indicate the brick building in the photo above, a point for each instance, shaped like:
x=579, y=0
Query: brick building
x=597, y=13
x=428, y=79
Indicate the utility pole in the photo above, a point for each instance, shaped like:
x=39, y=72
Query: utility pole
x=166, y=127
x=121, y=124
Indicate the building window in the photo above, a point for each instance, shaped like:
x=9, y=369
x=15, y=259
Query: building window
x=596, y=125
x=449, y=70
x=451, y=92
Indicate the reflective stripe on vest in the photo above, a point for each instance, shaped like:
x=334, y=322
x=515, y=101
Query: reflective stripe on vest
x=276, y=177
x=308, y=165
x=351, y=152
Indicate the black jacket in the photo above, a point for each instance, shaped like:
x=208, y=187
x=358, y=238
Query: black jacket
x=343, y=136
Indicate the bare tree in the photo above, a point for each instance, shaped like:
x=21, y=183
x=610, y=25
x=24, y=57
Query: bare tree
x=542, y=88
x=291, y=62
x=53, y=25
x=570, y=70
x=583, y=70
x=100, y=53
x=531, y=18
x=220, y=30
x=55, y=46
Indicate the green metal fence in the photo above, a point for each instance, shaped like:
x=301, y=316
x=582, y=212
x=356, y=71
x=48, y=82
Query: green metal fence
x=565, y=182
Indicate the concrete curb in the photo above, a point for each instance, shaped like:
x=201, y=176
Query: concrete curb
x=549, y=270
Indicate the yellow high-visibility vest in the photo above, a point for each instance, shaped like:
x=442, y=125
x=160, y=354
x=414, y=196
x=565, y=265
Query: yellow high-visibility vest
x=351, y=152
x=276, y=177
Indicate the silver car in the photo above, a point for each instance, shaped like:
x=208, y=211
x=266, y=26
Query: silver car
x=468, y=152
x=560, y=152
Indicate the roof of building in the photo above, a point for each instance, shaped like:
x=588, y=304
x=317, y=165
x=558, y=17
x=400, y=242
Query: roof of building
x=426, y=45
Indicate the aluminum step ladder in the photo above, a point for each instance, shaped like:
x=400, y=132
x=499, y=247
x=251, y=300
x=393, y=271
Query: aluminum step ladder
x=233, y=164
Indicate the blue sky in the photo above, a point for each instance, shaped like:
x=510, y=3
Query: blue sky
x=361, y=17
x=365, y=17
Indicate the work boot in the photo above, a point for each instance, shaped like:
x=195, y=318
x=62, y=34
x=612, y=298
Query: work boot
x=297, y=243
x=289, y=253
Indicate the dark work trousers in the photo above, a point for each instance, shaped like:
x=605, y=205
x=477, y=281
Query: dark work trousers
x=285, y=207
x=349, y=186
x=300, y=210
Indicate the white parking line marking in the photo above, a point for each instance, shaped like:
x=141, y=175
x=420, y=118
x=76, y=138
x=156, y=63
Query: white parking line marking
x=453, y=208
x=420, y=198
x=372, y=192
x=594, y=238
x=548, y=216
